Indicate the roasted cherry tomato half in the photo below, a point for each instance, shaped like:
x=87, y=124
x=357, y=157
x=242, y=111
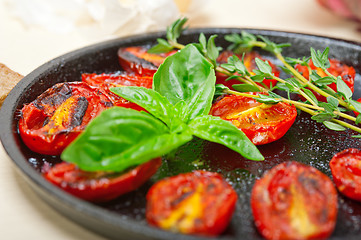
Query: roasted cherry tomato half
x=260, y=122
x=100, y=186
x=105, y=81
x=59, y=115
x=337, y=68
x=137, y=60
x=199, y=202
x=346, y=171
x=250, y=64
x=294, y=201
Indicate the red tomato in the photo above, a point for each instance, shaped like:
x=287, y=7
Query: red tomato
x=337, y=68
x=100, y=186
x=346, y=171
x=200, y=203
x=59, y=115
x=250, y=64
x=137, y=60
x=294, y=201
x=105, y=81
x=261, y=123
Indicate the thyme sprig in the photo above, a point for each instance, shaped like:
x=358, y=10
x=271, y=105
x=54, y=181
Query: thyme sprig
x=330, y=113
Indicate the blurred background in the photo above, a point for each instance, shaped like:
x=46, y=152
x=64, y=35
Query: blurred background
x=36, y=31
x=39, y=30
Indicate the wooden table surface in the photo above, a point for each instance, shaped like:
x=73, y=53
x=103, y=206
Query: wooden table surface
x=23, y=214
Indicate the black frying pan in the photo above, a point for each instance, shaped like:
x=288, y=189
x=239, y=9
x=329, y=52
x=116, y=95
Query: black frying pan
x=123, y=218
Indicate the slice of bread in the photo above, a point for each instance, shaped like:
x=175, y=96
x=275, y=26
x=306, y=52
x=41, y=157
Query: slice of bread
x=8, y=80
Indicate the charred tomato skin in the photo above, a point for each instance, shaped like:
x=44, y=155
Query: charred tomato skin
x=250, y=64
x=347, y=73
x=261, y=123
x=53, y=120
x=346, y=171
x=199, y=203
x=294, y=201
x=137, y=60
x=106, y=81
x=100, y=186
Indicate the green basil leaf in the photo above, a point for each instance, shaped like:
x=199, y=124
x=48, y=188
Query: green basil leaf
x=216, y=130
x=245, y=88
x=334, y=126
x=150, y=100
x=120, y=138
x=187, y=76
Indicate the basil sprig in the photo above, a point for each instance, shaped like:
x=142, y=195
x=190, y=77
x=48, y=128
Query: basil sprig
x=177, y=109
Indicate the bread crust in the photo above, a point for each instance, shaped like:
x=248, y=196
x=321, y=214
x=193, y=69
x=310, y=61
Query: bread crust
x=8, y=80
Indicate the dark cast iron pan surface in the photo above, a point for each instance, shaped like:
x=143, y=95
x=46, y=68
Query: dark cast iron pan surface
x=123, y=218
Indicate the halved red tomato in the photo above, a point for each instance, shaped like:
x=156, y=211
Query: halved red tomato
x=262, y=123
x=346, y=171
x=250, y=64
x=105, y=81
x=137, y=60
x=294, y=201
x=100, y=186
x=199, y=202
x=337, y=68
x=59, y=115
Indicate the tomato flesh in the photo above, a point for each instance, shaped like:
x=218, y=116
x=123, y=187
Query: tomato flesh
x=200, y=203
x=250, y=64
x=106, y=81
x=59, y=115
x=137, y=60
x=261, y=123
x=347, y=73
x=100, y=186
x=346, y=171
x=294, y=201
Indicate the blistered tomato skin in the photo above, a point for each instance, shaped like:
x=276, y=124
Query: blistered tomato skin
x=138, y=60
x=346, y=171
x=261, y=123
x=106, y=81
x=294, y=201
x=59, y=115
x=347, y=73
x=100, y=186
x=250, y=64
x=199, y=203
